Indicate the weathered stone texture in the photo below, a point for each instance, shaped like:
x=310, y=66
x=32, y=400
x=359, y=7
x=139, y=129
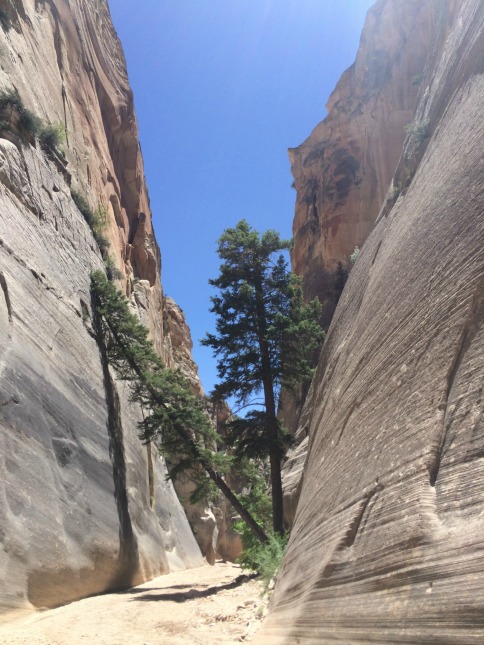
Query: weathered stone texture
x=343, y=170
x=77, y=512
x=387, y=541
x=429, y=29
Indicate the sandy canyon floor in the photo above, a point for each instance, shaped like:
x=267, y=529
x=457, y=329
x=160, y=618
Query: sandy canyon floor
x=209, y=605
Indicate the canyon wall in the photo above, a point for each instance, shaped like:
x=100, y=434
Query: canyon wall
x=387, y=539
x=342, y=172
x=84, y=507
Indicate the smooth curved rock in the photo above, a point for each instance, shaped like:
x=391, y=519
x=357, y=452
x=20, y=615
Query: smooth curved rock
x=84, y=506
x=388, y=539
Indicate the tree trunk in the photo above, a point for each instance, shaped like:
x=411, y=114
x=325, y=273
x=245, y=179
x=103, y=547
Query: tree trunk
x=275, y=461
x=272, y=425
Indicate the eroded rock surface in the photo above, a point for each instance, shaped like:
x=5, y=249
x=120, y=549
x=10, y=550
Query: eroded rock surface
x=84, y=507
x=343, y=170
x=388, y=534
x=376, y=102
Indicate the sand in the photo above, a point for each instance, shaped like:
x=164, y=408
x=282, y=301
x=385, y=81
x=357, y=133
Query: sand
x=204, y=606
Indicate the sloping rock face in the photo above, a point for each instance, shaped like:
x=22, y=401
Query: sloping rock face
x=343, y=170
x=370, y=111
x=84, y=507
x=388, y=536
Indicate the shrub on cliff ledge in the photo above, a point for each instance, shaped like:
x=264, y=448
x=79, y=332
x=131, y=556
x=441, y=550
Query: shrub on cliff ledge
x=97, y=219
x=52, y=136
x=419, y=129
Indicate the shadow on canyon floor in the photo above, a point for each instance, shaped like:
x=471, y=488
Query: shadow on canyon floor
x=191, y=593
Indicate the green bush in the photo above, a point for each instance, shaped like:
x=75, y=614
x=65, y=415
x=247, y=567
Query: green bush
x=355, y=254
x=99, y=224
x=30, y=123
x=82, y=205
x=97, y=220
x=112, y=271
x=393, y=192
x=265, y=559
x=10, y=97
x=419, y=129
x=52, y=135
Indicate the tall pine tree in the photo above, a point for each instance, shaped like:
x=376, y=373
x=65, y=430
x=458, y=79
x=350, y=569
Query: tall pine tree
x=264, y=338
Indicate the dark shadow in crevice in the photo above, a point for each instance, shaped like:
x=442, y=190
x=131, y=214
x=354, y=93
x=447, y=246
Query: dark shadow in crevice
x=128, y=557
x=144, y=589
x=3, y=285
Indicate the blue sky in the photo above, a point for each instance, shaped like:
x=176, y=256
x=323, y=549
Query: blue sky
x=222, y=89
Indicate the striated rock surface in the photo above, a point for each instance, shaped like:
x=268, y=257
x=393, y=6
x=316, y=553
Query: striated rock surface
x=84, y=507
x=387, y=541
x=343, y=170
x=212, y=525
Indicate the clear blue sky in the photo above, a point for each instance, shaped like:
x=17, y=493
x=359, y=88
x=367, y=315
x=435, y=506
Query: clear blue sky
x=222, y=89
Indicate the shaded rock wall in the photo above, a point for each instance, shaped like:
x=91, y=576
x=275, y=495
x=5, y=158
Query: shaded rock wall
x=387, y=541
x=83, y=505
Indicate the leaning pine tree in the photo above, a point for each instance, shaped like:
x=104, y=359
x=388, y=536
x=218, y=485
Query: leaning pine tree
x=174, y=417
x=264, y=340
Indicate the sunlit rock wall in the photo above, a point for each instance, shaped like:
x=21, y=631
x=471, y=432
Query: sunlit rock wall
x=78, y=514
x=387, y=541
x=343, y=172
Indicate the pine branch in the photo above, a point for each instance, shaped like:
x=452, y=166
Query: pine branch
x=132, y=356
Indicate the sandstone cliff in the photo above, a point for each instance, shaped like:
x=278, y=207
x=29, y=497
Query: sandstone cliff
x=342, y=172
x=388, y=534
x=83, y=505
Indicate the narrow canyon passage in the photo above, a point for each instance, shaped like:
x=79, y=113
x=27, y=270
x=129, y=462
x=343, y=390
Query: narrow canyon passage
x=209, y=605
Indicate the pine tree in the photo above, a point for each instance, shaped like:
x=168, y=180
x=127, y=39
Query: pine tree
x=263, y=342
x=174, y=417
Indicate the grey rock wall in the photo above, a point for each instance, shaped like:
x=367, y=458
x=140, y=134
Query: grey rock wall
x=388, y=533
x=75, y=515
x=78, y=514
